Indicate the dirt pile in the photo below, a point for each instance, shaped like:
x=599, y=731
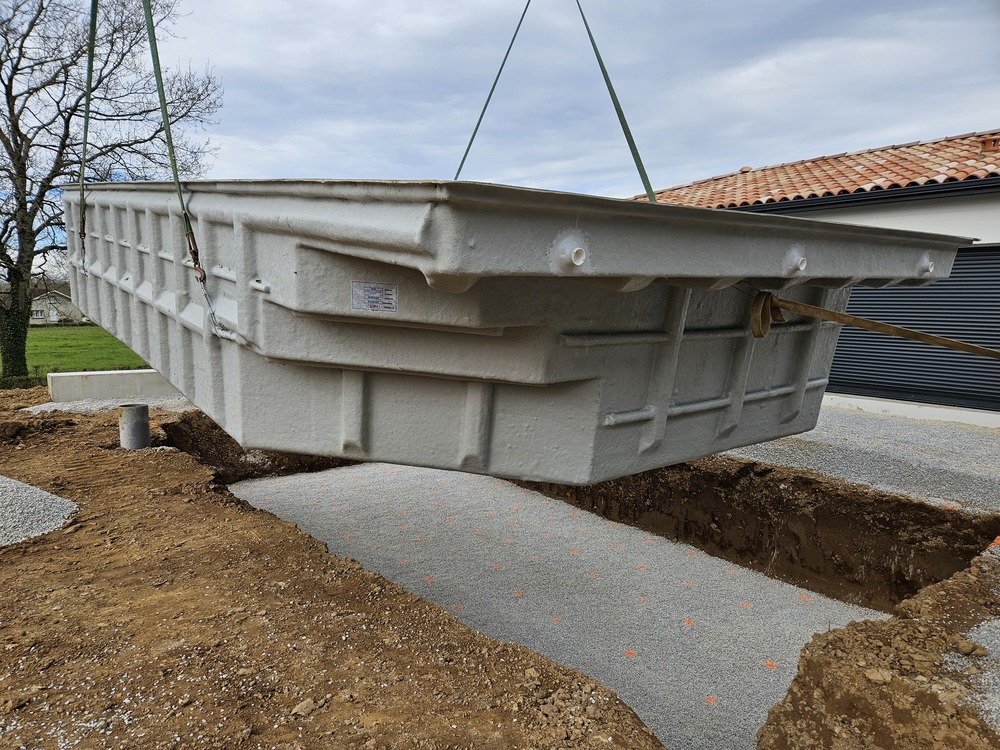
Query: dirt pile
x=883, y=685
x=197, y=435
x=167, y=614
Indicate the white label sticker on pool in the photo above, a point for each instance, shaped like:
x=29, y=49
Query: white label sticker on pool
x=373, y=296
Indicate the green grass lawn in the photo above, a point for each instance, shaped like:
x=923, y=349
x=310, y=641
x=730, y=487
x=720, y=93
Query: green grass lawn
x=76, y=349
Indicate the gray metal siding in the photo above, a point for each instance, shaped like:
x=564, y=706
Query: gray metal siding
x=966, y=307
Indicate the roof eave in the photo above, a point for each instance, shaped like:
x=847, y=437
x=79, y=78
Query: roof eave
x=889, y=195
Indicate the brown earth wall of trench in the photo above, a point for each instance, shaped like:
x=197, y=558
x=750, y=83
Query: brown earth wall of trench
x=847, y=541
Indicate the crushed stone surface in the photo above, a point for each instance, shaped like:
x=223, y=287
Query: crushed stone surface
x=698, y=647
x=27, y=511
x=945, y=462
x=984, y=679
x=95, y=405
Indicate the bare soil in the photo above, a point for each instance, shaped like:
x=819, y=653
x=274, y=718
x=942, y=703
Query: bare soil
x=168, y=614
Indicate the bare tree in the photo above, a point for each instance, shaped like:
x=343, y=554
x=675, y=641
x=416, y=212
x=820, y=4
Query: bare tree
x=43, y=66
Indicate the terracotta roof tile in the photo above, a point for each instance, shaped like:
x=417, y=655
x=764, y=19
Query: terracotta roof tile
x=970, y=156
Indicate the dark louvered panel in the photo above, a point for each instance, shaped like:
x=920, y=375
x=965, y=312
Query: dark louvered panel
x=966, y=306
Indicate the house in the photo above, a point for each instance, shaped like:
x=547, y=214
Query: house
x=947, y=186
x=53, y=307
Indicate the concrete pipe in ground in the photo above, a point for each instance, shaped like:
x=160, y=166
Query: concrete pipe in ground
x=133, y=426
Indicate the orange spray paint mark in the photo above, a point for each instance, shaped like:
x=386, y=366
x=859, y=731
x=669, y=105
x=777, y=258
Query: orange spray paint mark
x=805, y=598
x=518, y=593
x=592, y=575
x=457, y=608
x=710, y=699
x=429, y=579
x=556, y=620
x=744, y=604
x=630, y=653
x=640, y=566
x=689, y=623
x=495, y=566
x=771, y=665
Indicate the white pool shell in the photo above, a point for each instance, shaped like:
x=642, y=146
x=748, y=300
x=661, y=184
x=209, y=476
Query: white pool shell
x=485, y=328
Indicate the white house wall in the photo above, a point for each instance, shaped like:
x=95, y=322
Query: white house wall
x=961, y=307
x=975, y=216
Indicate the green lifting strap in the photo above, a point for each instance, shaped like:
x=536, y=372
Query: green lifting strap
x=611, y=90
x=154, y=53
x=91, y=44
x=621, y=113
x=492, y=89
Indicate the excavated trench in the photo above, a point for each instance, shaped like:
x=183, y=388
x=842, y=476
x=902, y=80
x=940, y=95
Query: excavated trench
x=885, y=683
x=847, y=541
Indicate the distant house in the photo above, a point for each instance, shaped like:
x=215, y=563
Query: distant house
x=54, y=307
x=948, y=186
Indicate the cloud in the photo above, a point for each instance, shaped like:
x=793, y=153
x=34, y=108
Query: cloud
x=392, y=89
x=877, y=85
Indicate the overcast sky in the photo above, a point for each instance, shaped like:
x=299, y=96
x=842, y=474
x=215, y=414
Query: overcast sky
x=391, y=89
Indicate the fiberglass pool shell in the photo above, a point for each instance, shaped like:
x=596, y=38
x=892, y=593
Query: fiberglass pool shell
x=492, y=329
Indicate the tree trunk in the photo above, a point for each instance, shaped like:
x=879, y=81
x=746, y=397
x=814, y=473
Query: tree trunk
x=14, y=329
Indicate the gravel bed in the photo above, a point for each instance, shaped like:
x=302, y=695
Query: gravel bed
x=27, y=511
x=698, y=647
x=985, y=681
x=94, y=405
x=934, y=461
